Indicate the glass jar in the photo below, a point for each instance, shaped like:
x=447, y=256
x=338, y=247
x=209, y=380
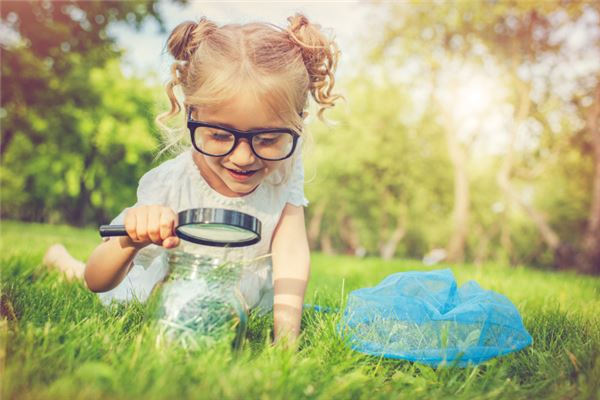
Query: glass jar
x=200, y=302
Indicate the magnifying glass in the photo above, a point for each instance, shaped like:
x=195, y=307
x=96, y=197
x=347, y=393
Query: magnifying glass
x=209, y=226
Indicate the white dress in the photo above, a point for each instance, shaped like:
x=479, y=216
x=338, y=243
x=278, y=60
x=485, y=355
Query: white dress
x=177, y=183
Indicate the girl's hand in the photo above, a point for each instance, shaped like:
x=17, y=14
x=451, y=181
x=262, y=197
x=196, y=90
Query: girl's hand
x=151, y=225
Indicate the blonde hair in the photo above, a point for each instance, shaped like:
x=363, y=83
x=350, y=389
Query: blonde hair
x=279, y=65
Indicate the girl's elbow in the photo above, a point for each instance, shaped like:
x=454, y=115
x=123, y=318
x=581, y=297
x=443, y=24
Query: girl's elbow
x=91, y=280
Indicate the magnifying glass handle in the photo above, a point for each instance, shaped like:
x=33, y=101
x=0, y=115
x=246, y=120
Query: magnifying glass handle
x=112, y=230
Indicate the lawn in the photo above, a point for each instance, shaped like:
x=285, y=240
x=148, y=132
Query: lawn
x=62, y=343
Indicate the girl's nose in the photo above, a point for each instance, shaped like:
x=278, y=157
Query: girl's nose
x=242, y=154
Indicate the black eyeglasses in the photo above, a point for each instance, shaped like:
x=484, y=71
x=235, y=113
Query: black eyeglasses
x=271, y=144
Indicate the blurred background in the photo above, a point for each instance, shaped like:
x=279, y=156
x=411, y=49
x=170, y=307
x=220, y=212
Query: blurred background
x=470, y=130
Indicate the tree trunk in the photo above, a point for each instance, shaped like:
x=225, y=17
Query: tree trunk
x=77, y=216
x=563, y=256
x=460, y=211
x=505, y=239
x=326, y=246
x=388, y=248
x=548, y=235
x=81, y=204
x=483, y=244
x=7, y=137
x=591, y=240
x=504, y=174
x=349, y=235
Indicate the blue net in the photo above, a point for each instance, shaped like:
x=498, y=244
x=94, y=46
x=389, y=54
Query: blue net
x=424, y=317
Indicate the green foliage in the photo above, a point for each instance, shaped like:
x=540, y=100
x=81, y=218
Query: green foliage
x=573, y=173
x=62, y=343
x=90, y=172
x=76, y=134
x=552, y=165
x=379, y=167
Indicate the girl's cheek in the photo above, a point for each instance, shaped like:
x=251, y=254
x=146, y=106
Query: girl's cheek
x=268, y=170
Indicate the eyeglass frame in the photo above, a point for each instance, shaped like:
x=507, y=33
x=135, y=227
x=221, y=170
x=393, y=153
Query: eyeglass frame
x=192, y=124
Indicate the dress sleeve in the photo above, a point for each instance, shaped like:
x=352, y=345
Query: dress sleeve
x=154, y=186
x=296, y=184
x=152, y=189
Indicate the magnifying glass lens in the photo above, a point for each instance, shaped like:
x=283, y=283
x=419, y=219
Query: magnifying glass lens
x=217, y=233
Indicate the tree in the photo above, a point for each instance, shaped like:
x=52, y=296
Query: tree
x=515, y=36
x=60, y=86
x=591, y=240
x=378, y=174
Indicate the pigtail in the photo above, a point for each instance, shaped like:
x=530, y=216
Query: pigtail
x=187, y=36
x=320, y=55
x=182, y=44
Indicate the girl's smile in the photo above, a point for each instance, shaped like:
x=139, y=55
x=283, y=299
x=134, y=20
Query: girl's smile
x=241, y=171
x=240, y=175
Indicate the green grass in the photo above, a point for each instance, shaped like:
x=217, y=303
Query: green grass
x=62, y=343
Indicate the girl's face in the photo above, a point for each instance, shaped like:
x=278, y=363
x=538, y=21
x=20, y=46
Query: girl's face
x=241, y=171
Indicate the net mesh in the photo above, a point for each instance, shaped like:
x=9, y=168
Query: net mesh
x=425, y=317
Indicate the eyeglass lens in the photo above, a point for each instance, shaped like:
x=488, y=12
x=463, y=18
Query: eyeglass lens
x=271, y=146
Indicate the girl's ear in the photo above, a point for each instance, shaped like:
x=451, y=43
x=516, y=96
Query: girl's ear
x=304, y=114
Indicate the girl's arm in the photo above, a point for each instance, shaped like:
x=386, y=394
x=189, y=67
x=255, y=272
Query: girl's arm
x=291, y=270
x=110, y=261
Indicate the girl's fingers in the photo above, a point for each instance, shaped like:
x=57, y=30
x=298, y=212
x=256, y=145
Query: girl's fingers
x=142, y=224
x=151, y=224
x=171, y=242
x=153, y=228
x=130, y=224
x=167, y=223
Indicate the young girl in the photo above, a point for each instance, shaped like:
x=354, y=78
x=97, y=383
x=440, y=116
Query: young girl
x=235, y=79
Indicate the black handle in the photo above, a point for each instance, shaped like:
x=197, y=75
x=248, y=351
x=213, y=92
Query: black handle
x=112, y=230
